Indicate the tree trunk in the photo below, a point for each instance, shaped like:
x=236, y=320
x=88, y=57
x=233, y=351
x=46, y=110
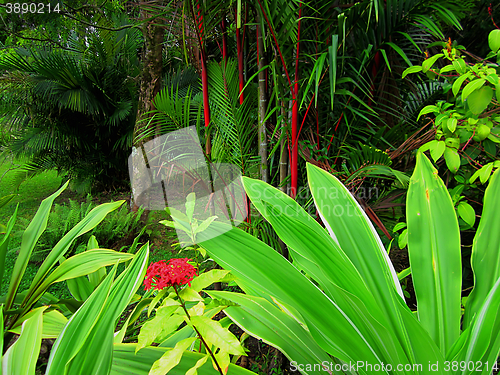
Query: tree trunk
x=151, y=78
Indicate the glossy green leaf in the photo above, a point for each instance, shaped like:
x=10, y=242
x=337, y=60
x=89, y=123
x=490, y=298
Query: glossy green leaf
x=126, y=362
x=171, y=358
x=479, y=100
x=190, y=203
x=471, y=87
x=458, y=83
x=96, y=354
x=466, y=212
x=90, y=221
x=438, y=150
x=162, y=325
x=30, y=237
x=452, y=159
x=194, y=370
x=79, y=265
x=217, y=335
x=428, y=63
x=494, y=40
x=263, y=320
x=434, y=252
x=427, y=109
x=485, y=258
x=21, y=357
x=76, y=331
x=268, y=271
x=53, y=323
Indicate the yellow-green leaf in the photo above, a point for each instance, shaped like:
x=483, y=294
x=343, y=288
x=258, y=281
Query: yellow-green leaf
x=171, y=358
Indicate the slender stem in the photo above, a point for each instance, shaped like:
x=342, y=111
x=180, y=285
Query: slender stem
x=198, y=332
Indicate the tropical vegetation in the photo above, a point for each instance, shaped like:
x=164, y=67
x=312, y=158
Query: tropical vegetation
x=316, y=179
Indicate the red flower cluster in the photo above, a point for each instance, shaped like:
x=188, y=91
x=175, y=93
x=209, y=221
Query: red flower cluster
x=165, y=274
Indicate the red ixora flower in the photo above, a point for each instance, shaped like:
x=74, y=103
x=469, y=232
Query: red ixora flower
x=164, y=274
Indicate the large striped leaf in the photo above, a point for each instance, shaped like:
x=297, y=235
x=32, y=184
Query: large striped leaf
x=78, y=328
x=79, y=265
x=96, y=354
x=485, y=257
x=480, y=343
x=53, y=323
x=313, y=250
x=350, y=227
x=30, y=237
x=348, y=224
x=21, y=357
x=263, y=320
x=89, y=222
x=126, y=362
x=434, y=251
x=260, y=265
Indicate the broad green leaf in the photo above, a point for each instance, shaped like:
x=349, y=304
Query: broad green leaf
x=359, y=239
x=194, y=370
x=494, y=40
x=125, y=362
x=95, y=277
x=53, y=323
x=263, y=320
x=171, y=358
x=485, y=258
x=466, y=212
x=484, y=173
x=459, y=65
x=427, y=109
x=400, y=52
x=157, y=298
x=217, y=335
x=479, y=100
x=89, y=222
x=206, y=279
x=452, y=159
x=266, y=270
x=306, y=239
x=161, y=325
x=80, y=288
x=95, y=356
x=30, y=237
x=403, y=239
x=452, y=125
x=438, y=150
x=471, y=87
x=481, y=342
x=6, y=199
x=190, y=203
x=189, y=294
x=21, y=357
x=458, y=83
x=221, y=361
x=434, y=252
x=76, y=331
x=79, y=265
x=428, y=63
